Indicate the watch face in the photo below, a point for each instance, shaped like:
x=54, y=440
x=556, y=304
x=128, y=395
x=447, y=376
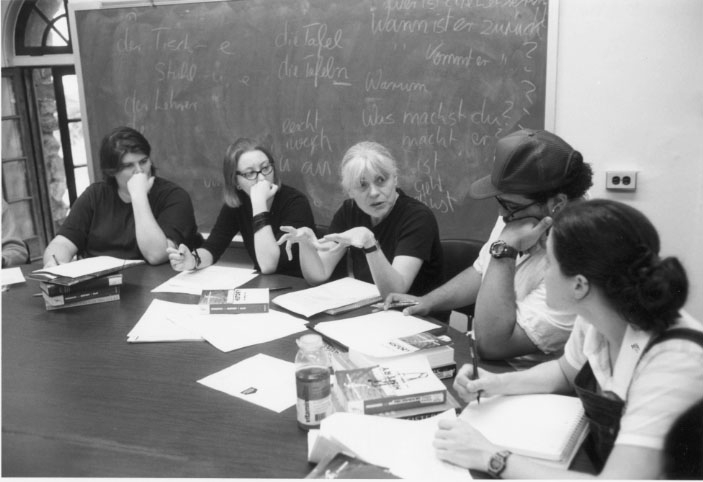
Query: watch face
x=496, y=463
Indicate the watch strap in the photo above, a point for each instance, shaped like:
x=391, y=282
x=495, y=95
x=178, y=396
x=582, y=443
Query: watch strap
x=371, y=249
x=497, y=463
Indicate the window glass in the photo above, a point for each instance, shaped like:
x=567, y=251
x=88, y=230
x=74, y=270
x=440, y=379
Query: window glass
x=70, y=92
x=8, y=98
x=14, y=179
x=11, y=139
x=41, y=19
x=22, y=212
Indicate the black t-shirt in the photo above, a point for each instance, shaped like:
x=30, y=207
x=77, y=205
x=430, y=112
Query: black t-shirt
x=290, y=207
x=102, y=224
x=410, y=229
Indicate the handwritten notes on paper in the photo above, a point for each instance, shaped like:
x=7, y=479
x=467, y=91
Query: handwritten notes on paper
x=210, y=278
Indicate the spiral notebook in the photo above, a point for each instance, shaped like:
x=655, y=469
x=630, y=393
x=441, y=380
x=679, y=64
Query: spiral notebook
x=549, y=428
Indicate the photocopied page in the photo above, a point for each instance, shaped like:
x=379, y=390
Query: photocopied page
x=264, y=380
x=210, y=278
x=366, y=333
x=330, y=295
x=11, y=276
x=155, y=325
x=230, y=332
x=404, y=446
x=88, y=266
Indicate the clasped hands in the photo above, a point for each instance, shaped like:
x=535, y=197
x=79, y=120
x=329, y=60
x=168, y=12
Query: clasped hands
x=359, y=237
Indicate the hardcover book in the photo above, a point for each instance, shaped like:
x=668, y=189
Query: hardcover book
x=232, y=301
x=89, y=297
x=52, y=289
x=392, y=386
x=344, y=466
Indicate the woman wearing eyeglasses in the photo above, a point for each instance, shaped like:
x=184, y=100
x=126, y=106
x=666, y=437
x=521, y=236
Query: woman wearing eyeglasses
x=133, y=214
x=256, y=205
x=635, y=363
x=392, y=239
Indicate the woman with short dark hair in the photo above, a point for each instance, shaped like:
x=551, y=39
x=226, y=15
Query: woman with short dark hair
x=132, y=214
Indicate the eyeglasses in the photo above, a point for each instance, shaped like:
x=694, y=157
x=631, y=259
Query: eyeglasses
x=251, y=175
x=513, y=208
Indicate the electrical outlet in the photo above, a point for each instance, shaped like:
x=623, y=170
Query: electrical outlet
x=621, y=180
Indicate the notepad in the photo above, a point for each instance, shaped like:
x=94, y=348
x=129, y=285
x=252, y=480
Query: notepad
x=546, y=427
x=333, y=297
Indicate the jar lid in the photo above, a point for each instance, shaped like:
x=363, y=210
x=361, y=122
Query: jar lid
x=311, y=341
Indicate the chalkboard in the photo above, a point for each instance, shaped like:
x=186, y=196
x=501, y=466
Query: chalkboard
x=436, y=81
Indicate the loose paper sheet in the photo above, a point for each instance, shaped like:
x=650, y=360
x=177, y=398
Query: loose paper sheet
x=330, y=295
x=229, y=332
x=87, y=266
x=210, y=278
x=404, y=446
x=364, y=333
x=264, y=380
x=155, y=324
x=11, y=276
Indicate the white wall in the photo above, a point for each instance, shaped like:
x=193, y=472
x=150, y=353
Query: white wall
x=630, y=97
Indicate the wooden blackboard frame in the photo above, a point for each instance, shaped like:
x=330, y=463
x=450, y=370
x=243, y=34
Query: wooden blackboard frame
x=93, y=165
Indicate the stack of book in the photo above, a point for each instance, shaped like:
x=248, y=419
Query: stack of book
x=83, y=282
x=95, y=290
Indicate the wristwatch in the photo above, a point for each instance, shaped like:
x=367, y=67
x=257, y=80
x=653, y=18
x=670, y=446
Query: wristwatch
x=500, y=249
x=497, y=463
x=371, y=249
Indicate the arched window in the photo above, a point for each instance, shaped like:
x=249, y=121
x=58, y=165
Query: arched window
x=42, y=28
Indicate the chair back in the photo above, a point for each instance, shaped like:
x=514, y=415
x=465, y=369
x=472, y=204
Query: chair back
x=459, y=254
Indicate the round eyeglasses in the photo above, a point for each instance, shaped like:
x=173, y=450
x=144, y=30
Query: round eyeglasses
x=513, y=208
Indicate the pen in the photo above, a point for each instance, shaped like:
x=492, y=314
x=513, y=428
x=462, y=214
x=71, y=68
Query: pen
x=279, y=288
x=55, y=260
x=474, y=360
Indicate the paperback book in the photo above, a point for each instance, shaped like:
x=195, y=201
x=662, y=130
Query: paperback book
x=233, y=301
x=52, y=289
x=391, y=386
x=88, y=297
x=75, y=272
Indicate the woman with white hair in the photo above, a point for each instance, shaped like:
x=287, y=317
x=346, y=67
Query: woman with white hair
x=392, y=239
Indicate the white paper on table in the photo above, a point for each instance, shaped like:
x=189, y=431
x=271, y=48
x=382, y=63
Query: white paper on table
x=11, y=276
x=365, y=333
x=156, y=325
x=88, y=266
x=229, y=332
x=326, y=296
x=404, y=446
x=210, y=278
x=261, y=379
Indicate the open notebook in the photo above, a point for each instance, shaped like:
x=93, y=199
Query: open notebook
x=549, y=428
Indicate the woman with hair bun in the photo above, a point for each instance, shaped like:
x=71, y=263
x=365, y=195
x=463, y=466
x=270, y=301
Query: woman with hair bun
x=632, y=359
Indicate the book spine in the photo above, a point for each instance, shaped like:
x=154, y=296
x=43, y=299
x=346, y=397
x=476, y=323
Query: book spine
x=401, y=402
x=73, y=298
x=89, y=301
x=52, y=289
x=241, y=308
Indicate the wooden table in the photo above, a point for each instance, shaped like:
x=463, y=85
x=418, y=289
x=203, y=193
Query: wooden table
x=78, y=400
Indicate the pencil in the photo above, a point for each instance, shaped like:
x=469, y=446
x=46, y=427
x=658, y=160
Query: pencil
x=55, y=260
x=474, y=361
